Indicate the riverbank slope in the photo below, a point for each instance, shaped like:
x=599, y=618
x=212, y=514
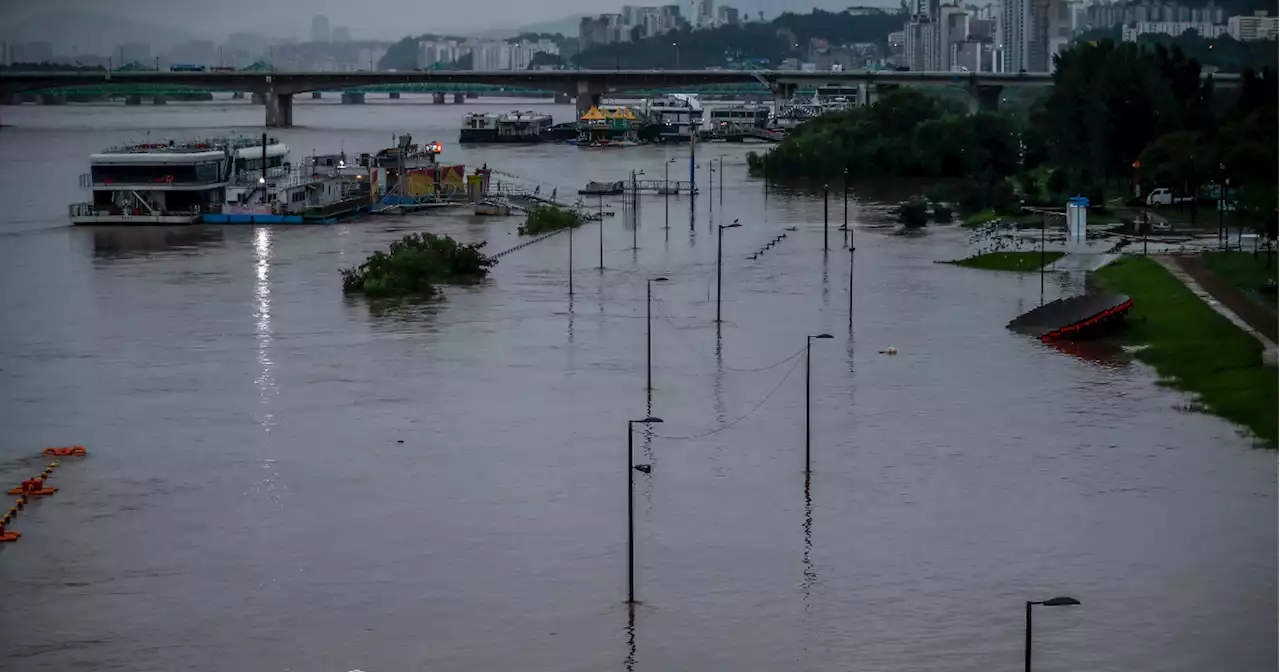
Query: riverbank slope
x=1194, y=348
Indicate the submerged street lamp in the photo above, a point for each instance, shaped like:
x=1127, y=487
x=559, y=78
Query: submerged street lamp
x=721, y=170
x=635, y=209
x=666, y=193
x=845, y=227
x=825, y=193
x=711, y=183
x=852, y=249
x=1052, y=602
x=571, y=227
x=631, y=519
x=719, y=262
x=808, y=343
x=648, y=336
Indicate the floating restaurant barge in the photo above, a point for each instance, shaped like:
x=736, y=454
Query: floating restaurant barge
x=219, y=181
x=249, y=181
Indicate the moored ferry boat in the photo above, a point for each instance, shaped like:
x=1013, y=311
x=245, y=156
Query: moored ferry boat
x=676, y=116
x=516, y=127
x=164, y=182
x=324, y=189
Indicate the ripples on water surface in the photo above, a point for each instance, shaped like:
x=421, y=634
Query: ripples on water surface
x=247, y=503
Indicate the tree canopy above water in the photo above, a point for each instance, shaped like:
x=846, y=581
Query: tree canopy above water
x=415, y=264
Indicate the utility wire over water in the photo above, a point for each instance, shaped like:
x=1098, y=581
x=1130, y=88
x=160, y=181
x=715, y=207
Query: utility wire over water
x=744, y=416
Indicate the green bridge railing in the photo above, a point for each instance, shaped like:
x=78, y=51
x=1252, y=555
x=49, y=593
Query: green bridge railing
x=169, y=89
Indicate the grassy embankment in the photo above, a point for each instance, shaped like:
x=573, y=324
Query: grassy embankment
x=1247, y=273
x=1008, y=261
x=1194, y=348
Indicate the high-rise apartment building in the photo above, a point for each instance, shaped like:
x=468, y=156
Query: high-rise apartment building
x=1250, y=28
x=134, y=52
x=953, y=27
x=920, y=44
x=320, y=29
x=1032, y=32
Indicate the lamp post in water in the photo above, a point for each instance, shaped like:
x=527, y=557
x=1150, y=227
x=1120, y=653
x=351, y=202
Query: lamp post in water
x=711, y=183
x=666, y=193
x=635, y=208
x=600, y=214
x=808, y=344
x=825, y=193
x=719, y=260
x=648, y=335
x=845, y=227
x=1053, y=602
x=1044, y=224
x=631, y=518
x=721, y=170
x=852, y=249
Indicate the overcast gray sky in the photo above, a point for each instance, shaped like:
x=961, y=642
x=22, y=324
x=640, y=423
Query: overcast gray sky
x=374, y=19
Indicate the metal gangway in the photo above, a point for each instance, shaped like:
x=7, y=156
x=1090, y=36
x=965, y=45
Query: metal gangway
x=660, y=186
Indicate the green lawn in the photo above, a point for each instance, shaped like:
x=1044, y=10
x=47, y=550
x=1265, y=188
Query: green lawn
x=1194, y=348
x=1008, y=261
x=1244, y=271
x=979, y=218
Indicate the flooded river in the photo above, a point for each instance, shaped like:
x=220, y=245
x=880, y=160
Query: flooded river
x=281, y=478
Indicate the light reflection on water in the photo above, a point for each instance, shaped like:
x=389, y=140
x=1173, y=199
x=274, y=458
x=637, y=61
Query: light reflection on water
x=975, y=470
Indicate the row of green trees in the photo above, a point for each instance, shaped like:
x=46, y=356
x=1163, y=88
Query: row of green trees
x=1116, y=114
x=1222, y=53
x=907, y=133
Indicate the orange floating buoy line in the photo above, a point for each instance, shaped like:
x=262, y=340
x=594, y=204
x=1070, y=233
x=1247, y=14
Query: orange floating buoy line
x=29, y=489
x=69, y=451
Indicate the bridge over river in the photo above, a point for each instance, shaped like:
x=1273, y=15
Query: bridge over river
x=586, y=87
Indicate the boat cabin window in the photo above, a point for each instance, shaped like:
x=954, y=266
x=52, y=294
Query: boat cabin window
x=256, y=163
x=198, y=173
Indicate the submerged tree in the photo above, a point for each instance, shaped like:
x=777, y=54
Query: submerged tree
x=547, y=218
x=415, y=264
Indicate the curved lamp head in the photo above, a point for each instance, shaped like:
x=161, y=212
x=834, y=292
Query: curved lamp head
x=658, y=279
x=1060, y=602
x=648, y=420
x=822, y=336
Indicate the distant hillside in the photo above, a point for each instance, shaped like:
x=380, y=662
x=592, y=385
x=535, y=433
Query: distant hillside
x=785, y=36
x=568, y=26
x=82, y=32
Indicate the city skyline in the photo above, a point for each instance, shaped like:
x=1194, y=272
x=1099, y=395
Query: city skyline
x=386, y=20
